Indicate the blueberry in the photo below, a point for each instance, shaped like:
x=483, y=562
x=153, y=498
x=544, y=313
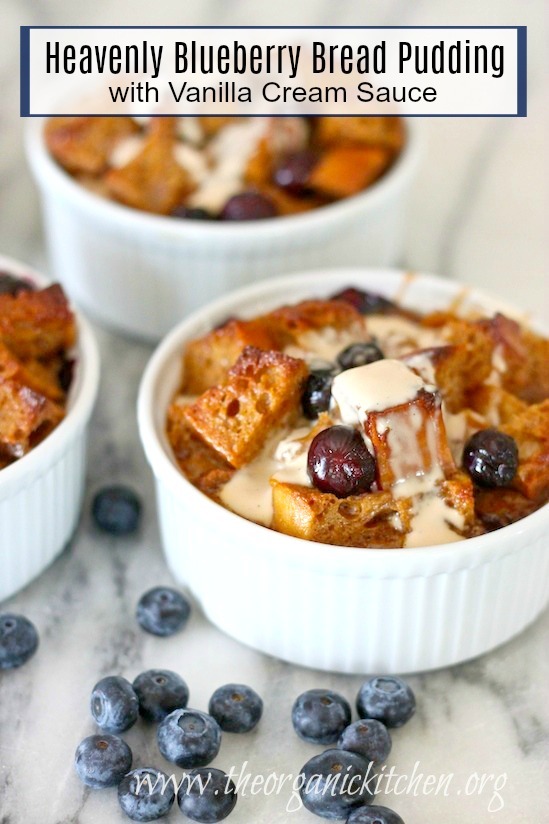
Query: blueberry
x=335, y=783
x=387, y=699
x=320, y=716
x=65, y=375
x=160, y=692
x=189, y=738
x=18, y=640
x=207, y=795
x=10, y=285
x=117, y=510
x=294, y=172
x=189, y=213
x=102, y=760
x=491, y=458
x=146, y=794
x=236, y=708
x=162, y=611
x=367, y=303
x=359, y=354
x=368, y=738
x=317, y=393
x=372, y=814
x=114, y=704
x=248, y=206
x=339, y=462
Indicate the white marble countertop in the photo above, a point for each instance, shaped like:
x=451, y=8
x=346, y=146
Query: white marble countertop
x=476, y=216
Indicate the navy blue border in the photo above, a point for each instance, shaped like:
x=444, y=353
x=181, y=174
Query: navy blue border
x=522, y=65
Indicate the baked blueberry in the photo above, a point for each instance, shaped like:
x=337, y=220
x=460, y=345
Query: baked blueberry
x=335, y=783
x=317, y=393
x=359, y=354
x=339, y=462
x=114, y=704
x=146, y=794
x=159, y=693
x=248, y=206
x=387, y=699
x=373, y=814
x=320, y=716
x=189, y=213
x=116, y=510
x=189, y=738
x=236, y=708
x=294, y=171
x=11, y=285
x=367, y=737
x=207, y=795
x=367, y=303
x=102, y=760
x=162, y=611
x=491, y=458
x=18, y=640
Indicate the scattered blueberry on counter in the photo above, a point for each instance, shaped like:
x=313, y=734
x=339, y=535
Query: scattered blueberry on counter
x=491, y=458
x=368, y=738
x=117, y=510
x=159, y=693
x=189, y=738
x=146, y=794
x=18, y=640
x=102, y=760
x=236, y=708
x=114, y=704
x=387, y=699
x=339, y=462
x=373, y=814
x=320, y=716
x=335, y=783
x=359, y=354
x=163, y=611
x=207, y=795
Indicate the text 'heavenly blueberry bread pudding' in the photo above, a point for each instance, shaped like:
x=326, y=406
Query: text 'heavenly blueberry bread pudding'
x=355, y=422
x=37, y=333
x=226, y=168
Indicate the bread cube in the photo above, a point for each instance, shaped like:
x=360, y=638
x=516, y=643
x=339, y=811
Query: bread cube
x=343, y=171
x=290, y=322
x=262, y=391
x=26, y=417
x=496, y=508
x=495, y=404
x=37, y=324
x=41, y=376
x=369, y=131
x=530, y=429
x=83, y=144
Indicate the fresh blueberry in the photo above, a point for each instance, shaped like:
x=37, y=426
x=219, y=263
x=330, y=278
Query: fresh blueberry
x=335, y=783
x=359, y=354
x=339, y=462
x=294, y=172
x=102, y=760
x=317, y=393
x=160, y=692
x=18, y=640
x=117, y=510
x=367, y=303
x=248, y=206
x=368, y=738
x=65, y=375
x=320, y=716
x=189, y=738
x=207, y=795
x=373, y=814
x=146, y=794
x=387, y=699
x=114, y=704
x=163, y=611
x=10, y=285
x=188, y=213
x=491, y=458
x=236, y=708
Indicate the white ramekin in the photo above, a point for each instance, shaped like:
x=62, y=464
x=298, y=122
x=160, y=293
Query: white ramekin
x=142, y=273
x=41, y=494
x=329, y=607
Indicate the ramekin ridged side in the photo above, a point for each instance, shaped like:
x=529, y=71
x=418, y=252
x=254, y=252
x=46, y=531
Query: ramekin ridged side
x=142, y=273
x=328, y=607
x=41, y=494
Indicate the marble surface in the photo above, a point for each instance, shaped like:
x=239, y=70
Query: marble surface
x=476, y=216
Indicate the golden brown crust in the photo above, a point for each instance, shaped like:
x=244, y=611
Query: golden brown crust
x=37, y=324
x=83, y=144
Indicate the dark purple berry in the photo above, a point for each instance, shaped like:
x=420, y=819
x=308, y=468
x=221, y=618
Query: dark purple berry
x=317, y=394
x=236, y=708
x=162, y=611
x=367, y=303
x=66, y=373
x=189, y=213
x=359, y=354
x=387, y=699
x=18, y=640
x=248, y=206
x=159, y=693
x=335, y=783
x=116, y=510
x=339, y=462
x=10, y=285
x=102, y=760
x=114, y=704
x=206, y=795
x=146, y=794
x=374, y=814
x=491, y=458
x=189, y=738
x=367, y=737
x=294, y=172
x=320, y=716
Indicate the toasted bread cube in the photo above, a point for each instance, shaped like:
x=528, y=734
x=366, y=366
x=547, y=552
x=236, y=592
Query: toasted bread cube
x=343, y=171
x=496, y=508
x=41, y=376
x=369, y=131
x=530, y=429
x=495, y=404
x=457, y=491
x=263, y=390
x=26, y=417
x=37, y=324
x=83, y=144
x=290, y=322
x=212, y=125
x=359, y=521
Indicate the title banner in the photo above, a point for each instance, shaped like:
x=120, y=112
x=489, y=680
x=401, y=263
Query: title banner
x=411, y=71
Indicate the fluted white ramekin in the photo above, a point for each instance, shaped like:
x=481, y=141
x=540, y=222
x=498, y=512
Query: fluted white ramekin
x=41, y=493
x=330, y=607
x=142, y=273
